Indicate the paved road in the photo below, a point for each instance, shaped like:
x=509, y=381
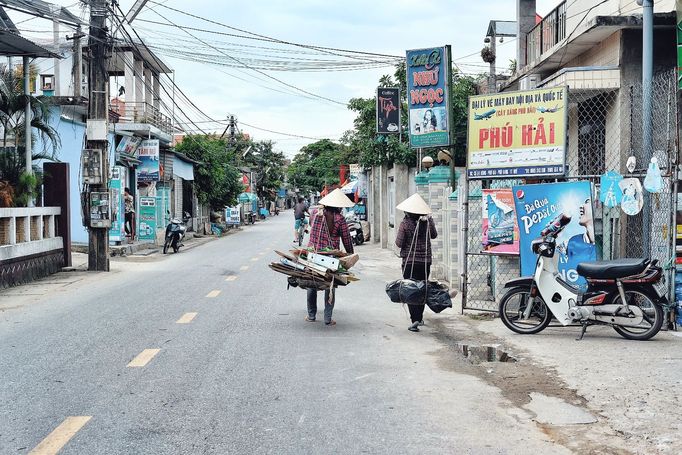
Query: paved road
x=245, y=374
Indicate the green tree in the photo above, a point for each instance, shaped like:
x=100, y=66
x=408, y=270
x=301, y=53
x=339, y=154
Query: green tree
x=318, y=164
x=12, y=150
x=267, y=165
x=217, y=181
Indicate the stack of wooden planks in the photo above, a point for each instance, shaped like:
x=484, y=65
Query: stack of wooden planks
x=309, y=275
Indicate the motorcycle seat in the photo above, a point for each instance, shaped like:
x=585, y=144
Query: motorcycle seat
x=617, y=268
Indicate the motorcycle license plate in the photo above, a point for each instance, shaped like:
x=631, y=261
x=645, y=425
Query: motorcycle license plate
x=661, y=288
x=353, y=234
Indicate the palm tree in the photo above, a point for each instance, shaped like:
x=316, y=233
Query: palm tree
x=12, y=129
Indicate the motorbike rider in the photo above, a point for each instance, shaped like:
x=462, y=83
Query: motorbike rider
x=300, y=211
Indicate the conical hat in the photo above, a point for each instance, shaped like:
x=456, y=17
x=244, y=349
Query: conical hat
x=336, y=199
x=415, y=204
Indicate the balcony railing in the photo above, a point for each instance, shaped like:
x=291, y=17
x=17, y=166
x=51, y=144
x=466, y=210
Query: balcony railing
x=142, y=113
x=544, y=36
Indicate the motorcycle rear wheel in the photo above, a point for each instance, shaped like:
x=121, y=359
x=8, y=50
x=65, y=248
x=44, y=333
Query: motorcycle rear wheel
x=512, y=306
x=653, y=316
x=359, y=239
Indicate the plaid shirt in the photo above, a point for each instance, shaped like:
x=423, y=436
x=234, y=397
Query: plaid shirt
x=421, y=250
x=320, y=237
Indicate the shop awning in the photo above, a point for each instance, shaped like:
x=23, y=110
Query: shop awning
x=183, y=169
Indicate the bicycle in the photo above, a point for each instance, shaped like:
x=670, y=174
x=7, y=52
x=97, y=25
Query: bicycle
x=301, y=230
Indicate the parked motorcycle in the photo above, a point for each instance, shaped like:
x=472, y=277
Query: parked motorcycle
x=627, y=294
x=355, y=228
x=175, y=232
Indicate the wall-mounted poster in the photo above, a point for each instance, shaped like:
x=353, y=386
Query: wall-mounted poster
x=428, y=97
x=537, y=206
x=517, y=134
x=500, y=229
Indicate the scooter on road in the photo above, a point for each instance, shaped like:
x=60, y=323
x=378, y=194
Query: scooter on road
x=626, y=294
x=175, y=232
x=355, y=228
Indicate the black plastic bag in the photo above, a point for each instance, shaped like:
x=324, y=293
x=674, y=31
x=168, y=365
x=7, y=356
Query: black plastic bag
x=438, y=297
x=408, y=291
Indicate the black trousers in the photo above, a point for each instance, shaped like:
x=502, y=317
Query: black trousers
x=417, y=271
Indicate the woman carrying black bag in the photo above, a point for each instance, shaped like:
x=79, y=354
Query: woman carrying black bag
x=414, y=240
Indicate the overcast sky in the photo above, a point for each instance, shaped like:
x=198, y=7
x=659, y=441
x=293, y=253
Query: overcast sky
x=386, y=27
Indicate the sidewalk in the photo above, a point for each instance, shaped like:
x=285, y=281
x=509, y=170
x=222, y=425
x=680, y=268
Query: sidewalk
x=603, y=394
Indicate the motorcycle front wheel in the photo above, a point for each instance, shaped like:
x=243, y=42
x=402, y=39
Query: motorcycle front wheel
x=513, y=310
x=165, y=246
x=652, y=316
x=176, y=245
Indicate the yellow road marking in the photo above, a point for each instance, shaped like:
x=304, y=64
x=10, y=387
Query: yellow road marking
x=231, y=278
x=213, y=294
x=66, y=430
x=254, y=259
x=143, y=358
x=244, y=267
x=186, y=318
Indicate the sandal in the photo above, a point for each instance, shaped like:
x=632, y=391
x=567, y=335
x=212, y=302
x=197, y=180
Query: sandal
x=309, y=320
x=332, y=322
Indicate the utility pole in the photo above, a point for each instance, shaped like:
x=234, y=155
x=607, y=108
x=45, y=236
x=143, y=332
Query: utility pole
x=77, y=62
x=232, y=127
x=647, y=84
x=492, y=79
x=98, y=124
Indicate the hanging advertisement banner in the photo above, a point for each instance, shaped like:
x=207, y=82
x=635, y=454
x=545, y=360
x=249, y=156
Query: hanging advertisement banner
x=500, y=228
x=517, y=134
x=538, y=206
x=117, y=232
x=148, y=154
x=428, y=98
x=388, y=110
x=128, y=144
x=147, y=219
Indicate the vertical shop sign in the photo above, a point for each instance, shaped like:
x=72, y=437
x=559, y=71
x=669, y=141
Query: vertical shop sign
x=388, y=110
x=147, y=230
x=116, y=233
x=428, y=97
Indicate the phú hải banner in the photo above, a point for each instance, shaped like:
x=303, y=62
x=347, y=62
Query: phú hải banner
x=428, y=97
x=517, y=134
x=500, y=229
x=537, y=206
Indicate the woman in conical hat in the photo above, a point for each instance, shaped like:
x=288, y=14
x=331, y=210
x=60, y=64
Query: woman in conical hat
x=328, y=228
x=416, y=249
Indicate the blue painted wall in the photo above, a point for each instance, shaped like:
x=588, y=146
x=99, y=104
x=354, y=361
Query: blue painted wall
x=71, y=135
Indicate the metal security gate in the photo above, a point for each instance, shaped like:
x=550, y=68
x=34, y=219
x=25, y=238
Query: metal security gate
x=604, y=130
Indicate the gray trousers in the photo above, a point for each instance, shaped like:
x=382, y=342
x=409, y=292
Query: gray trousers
x=328, y=307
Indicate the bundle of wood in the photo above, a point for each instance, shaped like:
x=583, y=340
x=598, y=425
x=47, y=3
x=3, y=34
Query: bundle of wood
x=316, y=270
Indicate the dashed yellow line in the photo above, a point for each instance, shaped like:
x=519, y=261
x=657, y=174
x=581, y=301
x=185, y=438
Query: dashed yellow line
x=143, y=358
x=213, y=294
x=61, y=435
x=231, y=278
x=244, y=267
x=186, y=318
